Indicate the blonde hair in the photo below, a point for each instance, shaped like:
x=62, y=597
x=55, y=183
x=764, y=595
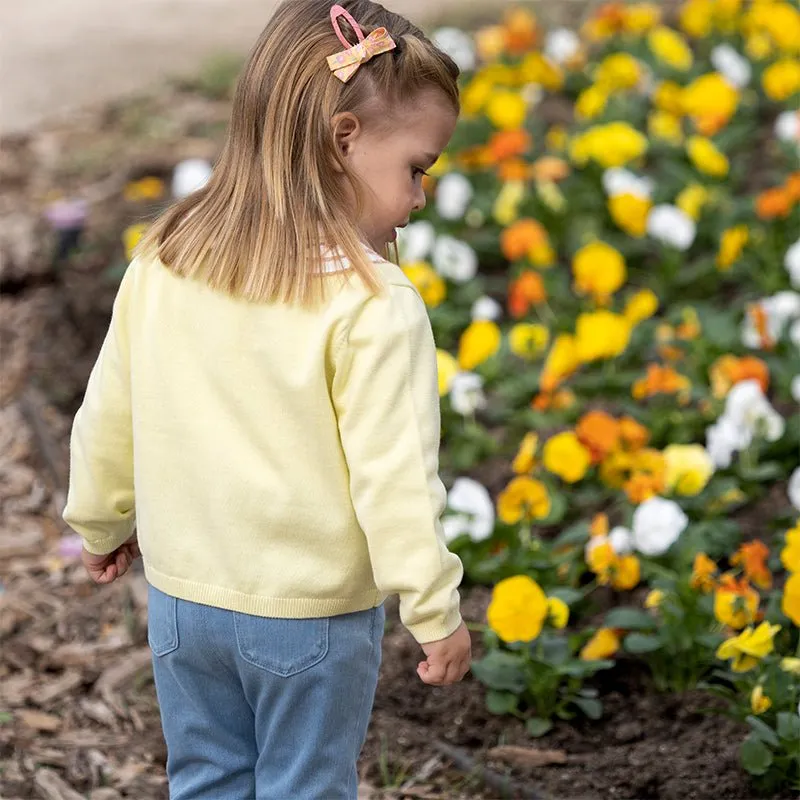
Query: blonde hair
x=275, y=199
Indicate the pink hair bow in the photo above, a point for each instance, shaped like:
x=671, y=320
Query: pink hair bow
x=344, y=64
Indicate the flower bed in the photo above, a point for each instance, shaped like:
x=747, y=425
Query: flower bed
x=611, y=260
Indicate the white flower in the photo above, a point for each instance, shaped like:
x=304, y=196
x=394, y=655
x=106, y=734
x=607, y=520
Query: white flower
x=796, y=388
x=453, y=194
x=475, y=511
x=415, y=241
x=454, y=259
x=458, y=45
x=780, y=310
x=787, y=126
x=733, y=66
x=621, y=540
x=486, y=307
x=657, y=524
x=466, y=393
x=671, y=226
x=619, y=180
x=189, y=176
x=723, y=440
x=794, y=333
x=561, y=45
x=792, y=263
x=747, y=407
x=793, y=490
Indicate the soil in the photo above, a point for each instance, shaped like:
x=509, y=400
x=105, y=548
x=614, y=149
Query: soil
x=78, y=716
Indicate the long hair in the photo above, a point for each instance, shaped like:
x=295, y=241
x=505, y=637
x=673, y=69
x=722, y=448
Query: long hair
x=275, y=200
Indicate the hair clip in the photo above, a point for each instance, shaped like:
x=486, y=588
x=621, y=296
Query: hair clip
x=344, y=64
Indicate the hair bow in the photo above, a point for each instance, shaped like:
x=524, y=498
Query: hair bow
x=344, y=64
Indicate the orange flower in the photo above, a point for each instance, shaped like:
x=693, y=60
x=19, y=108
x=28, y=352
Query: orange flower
x=735, y=602
x=774, y=203
x=526, y=291
x=549, y=168
x=792, y=186
x=599, y=525
x=557, y=401
x=729, y=370
x=599, y=432
x=519, y=238
x=662, y=380
x=648, y=476
x=758, y=316
x=753, y=558
x=703, y=571
x=690, y=327
x=521, y=32
x=634, y=435
x=503, y=145
x=514, y=169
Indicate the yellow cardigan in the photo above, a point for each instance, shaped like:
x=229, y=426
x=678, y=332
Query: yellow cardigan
x=274, y=460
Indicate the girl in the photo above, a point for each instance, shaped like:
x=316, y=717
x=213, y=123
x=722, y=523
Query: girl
x=265, y=411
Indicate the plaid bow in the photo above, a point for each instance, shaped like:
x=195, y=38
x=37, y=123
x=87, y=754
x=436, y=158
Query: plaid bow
x=344, y=64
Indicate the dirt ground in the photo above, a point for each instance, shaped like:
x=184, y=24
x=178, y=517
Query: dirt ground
x=59, y=57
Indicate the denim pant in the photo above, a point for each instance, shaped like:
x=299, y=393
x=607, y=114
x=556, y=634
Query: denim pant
x=256, y=708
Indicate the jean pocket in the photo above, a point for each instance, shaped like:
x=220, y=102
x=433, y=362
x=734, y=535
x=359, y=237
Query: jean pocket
x=283, y=647
x=162, y=622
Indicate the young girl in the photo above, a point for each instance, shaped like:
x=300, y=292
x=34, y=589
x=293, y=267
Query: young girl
x=265, y=411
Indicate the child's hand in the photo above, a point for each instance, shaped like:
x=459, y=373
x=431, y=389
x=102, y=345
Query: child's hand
x=448, y=659
x=107, y=568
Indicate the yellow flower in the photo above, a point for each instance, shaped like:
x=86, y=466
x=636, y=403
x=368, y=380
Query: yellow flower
x=149, y=188
x=791, y=665
x=668, y=97
x=480, y=341
x=447, y=369
x=599, y=270
x=666, y=127
x=618, y=71
x=697, y=18
x=518, y=609
x=654, y=598
x=790, y=605
x=601, y=334
x=537, y=68
x=561, y=362
x=528, y=340
x=641, y=306
x=710, y=101
x=603, y=644
x=525, y=459
x=565, y=456
x=781, y=80
x=732, y=242
x=557, y=138
x=758, y=46
x=427, y=281
x=506, y=109
x=476, y=94
x=558, y=612
x=131, y=237
x=506, y=206
x=749, y=647
x=600, y=558
x=611, y=145
x=591, y=102
x=790, y=555
x=692, y=199
x=735, y=602
x=689, y=468
x=776, y=22
x=670, y=47
x=759, y=702
x=626, y=573
x=629, y=212
x=706, y=157
x=523, y=499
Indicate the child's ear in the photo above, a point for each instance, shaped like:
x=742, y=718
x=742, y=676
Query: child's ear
x=346, y=129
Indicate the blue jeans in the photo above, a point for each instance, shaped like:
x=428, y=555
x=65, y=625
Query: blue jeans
x=256, y=708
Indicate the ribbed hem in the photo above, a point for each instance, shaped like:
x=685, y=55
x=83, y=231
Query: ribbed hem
x=435, y=631
x=258, y=605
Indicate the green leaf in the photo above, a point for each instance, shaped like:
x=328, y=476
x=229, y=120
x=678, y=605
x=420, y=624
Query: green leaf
x=590, y=706
x=575, y=534
x=629, y=619
x=642, y=643
x=569, y=596
x=501, y=702
x=536, y=726
x=763, y=731
x=709, y=639
x=756, y=757
x=501, y=671
x=789, y=726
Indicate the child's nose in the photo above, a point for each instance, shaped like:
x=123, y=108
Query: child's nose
x=419, y=198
